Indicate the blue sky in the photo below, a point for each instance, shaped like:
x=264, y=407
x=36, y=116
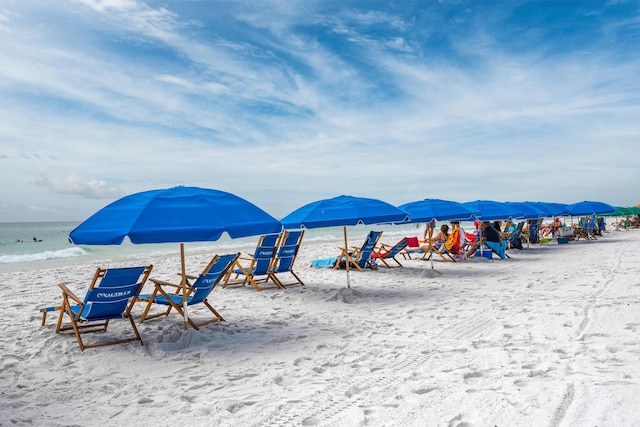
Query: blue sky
x=286, y=102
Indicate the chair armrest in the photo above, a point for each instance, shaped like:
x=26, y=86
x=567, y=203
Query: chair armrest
x=66, y=291
x=163, y=283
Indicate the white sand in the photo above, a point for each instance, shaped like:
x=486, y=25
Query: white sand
x=546, y=338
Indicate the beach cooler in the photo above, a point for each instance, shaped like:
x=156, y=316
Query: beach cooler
x=487, y=253
x=565, y=232
x=562, y=240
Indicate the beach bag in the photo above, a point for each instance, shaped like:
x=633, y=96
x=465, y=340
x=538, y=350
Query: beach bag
x=452, y=244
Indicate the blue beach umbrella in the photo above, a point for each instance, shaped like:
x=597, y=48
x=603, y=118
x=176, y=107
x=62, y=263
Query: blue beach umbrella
x=556, y=209
x=429, y=209
x=588, y=207
x=179, y=214
x=529, y=210
x=492, y=210
x=343, y=211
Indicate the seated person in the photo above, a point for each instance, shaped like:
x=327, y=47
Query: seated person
x=441, y=236
x=489, y=234
x=546, y=229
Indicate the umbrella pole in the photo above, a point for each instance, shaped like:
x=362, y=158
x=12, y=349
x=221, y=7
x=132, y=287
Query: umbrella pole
x=346, y=253
x=183, y=283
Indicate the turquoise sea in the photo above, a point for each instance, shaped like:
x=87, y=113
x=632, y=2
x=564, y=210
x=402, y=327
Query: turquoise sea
x=19, y=252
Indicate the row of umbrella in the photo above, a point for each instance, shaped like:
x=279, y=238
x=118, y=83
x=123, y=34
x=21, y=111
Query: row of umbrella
x=193, y=214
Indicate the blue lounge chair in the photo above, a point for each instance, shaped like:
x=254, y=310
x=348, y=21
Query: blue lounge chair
x=514, y=238
x=286, y=254
x=586, y=228
x=258, y=269
x=498, y=248
x=534, y=232
x=110, y=296
x=197, y=292
x=386, y=253
x=360, y=258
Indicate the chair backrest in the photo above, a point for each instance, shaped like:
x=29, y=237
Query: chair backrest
x=287, y=251
x=534, y=229
x=264, y=254
x=206, y=282
x=367, y=248
x=515, y=234
x=395, y=249
x=109, y=294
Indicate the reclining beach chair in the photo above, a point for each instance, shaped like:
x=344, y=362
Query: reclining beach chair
x=447, y=250
x=197, y=292
x=286, y=254
x=498, y=248
x=533, y=235
x=257, y=269
x=386, y=253
x=110, y=296
x=586, y=229
x=514, y=238
x=360, y=258
x=105, y=278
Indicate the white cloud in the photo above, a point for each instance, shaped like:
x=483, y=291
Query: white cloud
x=145, y=97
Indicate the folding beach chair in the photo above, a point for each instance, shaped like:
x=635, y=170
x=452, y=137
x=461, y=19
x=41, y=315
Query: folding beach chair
x=360, y=258
x=197, y=292
x=286, y=254
x=257, y=269
x=498, y=248
x=114, y=278
x=110, y=296
x=386, y=253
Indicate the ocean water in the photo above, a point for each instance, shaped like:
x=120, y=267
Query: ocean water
x=19, y=252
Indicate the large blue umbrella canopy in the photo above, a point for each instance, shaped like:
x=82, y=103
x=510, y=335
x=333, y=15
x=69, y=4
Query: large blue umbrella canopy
x=179, y=214
x=438, y=209
x=529, y=210
x=588, y=207
x=545, y=208
x=556, y=209
x=344, y=211
x=492, y=210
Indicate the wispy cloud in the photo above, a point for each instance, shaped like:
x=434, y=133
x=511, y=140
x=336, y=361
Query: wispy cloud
x=287, y=102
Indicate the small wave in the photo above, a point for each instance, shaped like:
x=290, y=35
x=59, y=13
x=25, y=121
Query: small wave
x=41, y=256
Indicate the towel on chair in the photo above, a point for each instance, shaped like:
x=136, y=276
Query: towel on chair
x=499, y=248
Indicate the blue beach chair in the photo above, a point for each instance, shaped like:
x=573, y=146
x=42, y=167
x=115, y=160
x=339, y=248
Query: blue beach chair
x=285, y=259
x=258, y=269
x=110, y=296
x=386, y=253
x=360, y=258
x=197, y=292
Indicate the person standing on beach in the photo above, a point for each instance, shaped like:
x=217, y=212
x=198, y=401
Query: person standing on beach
x=428, y=231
